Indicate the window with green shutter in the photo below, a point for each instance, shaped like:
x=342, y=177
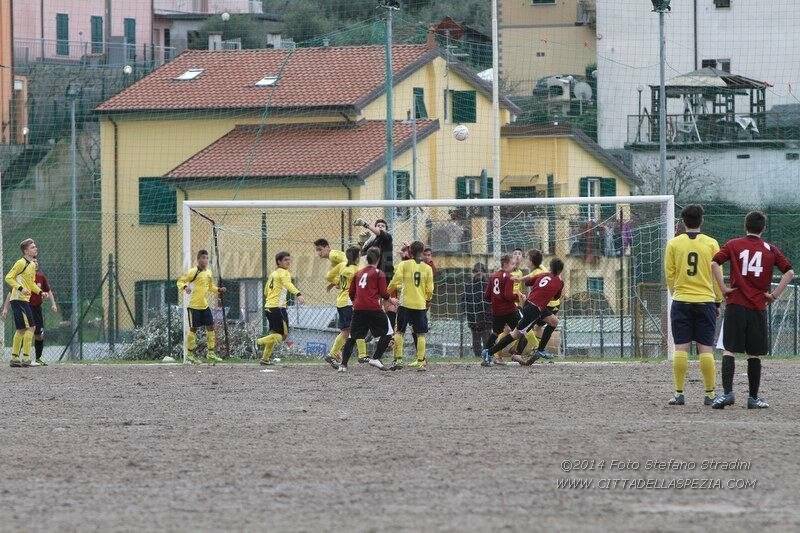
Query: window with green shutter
x=468, y=187
x=130, y=38
x=97, y=35
x=595, y=285
x=158, y=202
x=402, y=184
x=419, y=103
x=464, y=107
x=608, y=187
x=62, y=34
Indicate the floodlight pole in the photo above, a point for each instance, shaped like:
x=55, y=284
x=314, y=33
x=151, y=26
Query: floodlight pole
x=662, y=103
x=496, y=235
x=390, y=190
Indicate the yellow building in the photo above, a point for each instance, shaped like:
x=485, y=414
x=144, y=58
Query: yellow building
x=302, y=124
x=541, y=38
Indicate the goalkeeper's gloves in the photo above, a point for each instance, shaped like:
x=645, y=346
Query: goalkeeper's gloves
x=360, y=222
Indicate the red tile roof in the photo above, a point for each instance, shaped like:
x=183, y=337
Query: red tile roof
x=308, y=78
x=353, y=150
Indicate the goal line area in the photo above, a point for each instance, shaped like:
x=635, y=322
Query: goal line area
x=614, y=302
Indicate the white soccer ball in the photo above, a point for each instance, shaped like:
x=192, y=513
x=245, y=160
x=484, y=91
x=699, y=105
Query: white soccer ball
x=461, y=132
x=127, y=69
x=168, y=359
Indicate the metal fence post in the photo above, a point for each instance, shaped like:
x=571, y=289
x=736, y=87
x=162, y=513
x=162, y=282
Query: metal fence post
x=112, y=315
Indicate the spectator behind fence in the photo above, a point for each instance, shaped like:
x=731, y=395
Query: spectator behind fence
x=476, y=309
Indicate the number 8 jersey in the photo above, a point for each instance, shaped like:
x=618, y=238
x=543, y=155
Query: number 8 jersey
x=752, y=261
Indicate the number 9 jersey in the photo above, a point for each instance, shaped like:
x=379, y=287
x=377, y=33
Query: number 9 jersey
x=687, y=268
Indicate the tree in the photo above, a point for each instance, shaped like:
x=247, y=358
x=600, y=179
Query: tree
x=688, y=179
x=240, y=26
x=302, y=21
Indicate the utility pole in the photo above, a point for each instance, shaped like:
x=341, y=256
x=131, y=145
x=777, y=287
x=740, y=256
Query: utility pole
x=74, y=222
x=496, y=236
x=390, y=190
x=661, y=7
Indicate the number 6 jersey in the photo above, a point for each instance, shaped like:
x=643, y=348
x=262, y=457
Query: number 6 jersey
x=545, y=287
x=752, y=261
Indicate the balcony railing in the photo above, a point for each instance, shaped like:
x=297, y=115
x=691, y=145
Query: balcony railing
x=714, y=128
x=28, y=51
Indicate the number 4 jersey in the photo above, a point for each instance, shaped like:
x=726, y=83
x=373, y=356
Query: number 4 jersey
x=687, y=268
x=752, y=261
x=367, y=289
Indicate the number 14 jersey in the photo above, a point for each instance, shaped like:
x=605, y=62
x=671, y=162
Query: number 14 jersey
x=752, y=261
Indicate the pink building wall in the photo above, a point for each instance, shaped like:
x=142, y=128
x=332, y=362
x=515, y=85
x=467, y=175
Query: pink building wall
x=29, y=17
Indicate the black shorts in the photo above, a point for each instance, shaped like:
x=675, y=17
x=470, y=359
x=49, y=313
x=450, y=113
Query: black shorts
x=200, y=318
x=375, y=322
x=693, y=322
x=278, y=320
x=418, y=318
x=499, y=322
x=553, y=311
x=38, y=320
x=531, y=315
x=345, y=316
x=23, y=314
x=745, y=330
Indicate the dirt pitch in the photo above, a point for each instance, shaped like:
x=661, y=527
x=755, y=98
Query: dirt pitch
x=457, y=448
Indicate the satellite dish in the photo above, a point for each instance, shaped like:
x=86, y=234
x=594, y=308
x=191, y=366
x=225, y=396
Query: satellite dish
x=583, y=91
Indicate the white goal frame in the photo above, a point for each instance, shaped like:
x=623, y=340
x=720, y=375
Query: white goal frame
x=667, y=203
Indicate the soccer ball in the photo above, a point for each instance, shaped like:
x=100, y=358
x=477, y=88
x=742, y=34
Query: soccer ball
x=461, y=133
x=127, y=69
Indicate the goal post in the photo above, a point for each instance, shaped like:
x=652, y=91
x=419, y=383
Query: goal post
x=615, y=301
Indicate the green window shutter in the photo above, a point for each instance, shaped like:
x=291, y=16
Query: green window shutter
x=130, y=38
x=402, y=180
x=402, y=184
x=419, y=103
x=97, y=35
x=584, y=191
x=461, y=187
x=488, y=192
x=158, y=203
x=465, y=104
x=608, y=187
x=62, y=34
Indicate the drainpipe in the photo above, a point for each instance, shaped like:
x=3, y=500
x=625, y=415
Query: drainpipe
x=349, y=212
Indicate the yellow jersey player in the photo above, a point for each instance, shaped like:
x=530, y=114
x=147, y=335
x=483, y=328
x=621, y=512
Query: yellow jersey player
x=278, y=285
x=198, y=282
x=517, y=274
x=324, y=251
x=340, y=277
x=696, y=301
x=22, y=281
x=413, y=279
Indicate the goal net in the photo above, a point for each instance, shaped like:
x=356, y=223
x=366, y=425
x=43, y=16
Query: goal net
x=614, y=303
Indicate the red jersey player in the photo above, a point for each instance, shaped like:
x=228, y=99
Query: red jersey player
x=745, y=326
x=500, y=292
x=367, y=288
x=546, y=286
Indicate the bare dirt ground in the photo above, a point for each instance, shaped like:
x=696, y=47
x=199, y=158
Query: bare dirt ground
x=457, y=448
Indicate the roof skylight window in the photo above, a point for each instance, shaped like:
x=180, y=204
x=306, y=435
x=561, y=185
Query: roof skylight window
x=190, y=74
x=267, y=81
